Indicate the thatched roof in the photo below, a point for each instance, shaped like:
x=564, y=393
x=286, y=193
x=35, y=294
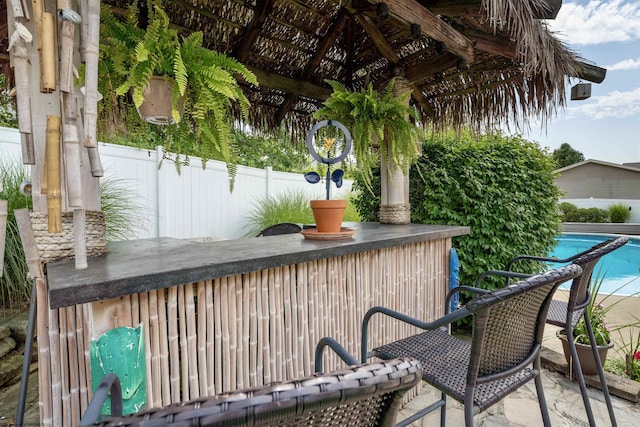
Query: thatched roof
x=468, y=62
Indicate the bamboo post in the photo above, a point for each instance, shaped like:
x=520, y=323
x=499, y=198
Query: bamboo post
x=80, y=238
x=3, y=229
x=54, y=197
x=38, y=11
x=72, y=155
x=44, y=355
x=91, y=85
x=20, y=60
x=29, y=243
x=48, y=62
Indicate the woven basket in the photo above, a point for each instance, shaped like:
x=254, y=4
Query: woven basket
x=52, y=247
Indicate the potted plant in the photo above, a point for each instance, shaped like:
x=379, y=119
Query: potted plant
x=328, y=214
x=381, y=125
x=202, y=82
x=597, y=313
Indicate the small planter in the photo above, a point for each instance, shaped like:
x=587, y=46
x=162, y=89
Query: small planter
x=158, y=100
x=328, y=215
x=588, y=364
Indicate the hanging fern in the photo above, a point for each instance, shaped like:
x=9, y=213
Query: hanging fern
x=205, y=82
x=368, y=112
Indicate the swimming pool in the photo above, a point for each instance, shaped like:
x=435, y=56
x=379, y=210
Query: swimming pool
x=621, y=268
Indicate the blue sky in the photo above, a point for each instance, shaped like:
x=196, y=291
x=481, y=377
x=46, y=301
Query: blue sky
x=607, y=125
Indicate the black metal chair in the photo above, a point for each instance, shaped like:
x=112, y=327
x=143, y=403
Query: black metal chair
x=365, y=395
x=508, y=326
x=282, y=228
x=568, y=314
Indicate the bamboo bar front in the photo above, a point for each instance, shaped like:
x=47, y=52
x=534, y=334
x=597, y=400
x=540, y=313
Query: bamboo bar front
x=248, y=328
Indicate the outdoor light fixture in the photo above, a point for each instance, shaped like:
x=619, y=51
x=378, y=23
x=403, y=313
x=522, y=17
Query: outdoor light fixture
x=581, y=91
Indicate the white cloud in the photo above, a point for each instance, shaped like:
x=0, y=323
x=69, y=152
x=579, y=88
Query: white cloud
x=616, y=104
x=627, y=64
x=597, y=22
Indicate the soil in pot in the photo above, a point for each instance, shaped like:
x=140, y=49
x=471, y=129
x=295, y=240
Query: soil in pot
x=585, y=354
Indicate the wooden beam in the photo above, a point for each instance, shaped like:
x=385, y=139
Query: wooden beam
x=492, y=43
x=410, y=11
x=437, y=65
x=453, y=7
x=381, y=44
x=590, y=73
x=294, y=86
x=422, y=101
x=261, y=12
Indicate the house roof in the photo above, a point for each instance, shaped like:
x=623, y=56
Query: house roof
x=602, y=163
x=472, y=62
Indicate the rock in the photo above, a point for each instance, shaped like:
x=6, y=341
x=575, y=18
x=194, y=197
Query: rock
x=10, y=370
x=5, y=331
x=6, y=345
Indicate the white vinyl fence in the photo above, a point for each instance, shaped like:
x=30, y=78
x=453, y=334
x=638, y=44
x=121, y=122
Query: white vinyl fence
x=634, y=204
x=195, y=203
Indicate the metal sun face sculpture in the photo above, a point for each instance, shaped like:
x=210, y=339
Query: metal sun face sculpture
x=336, y=175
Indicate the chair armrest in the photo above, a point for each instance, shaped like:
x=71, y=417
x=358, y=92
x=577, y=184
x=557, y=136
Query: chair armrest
x=109, y=384
x=337, y=349
x=502, y=273
x=545, y=259
x=443, y=321
x=457, y=289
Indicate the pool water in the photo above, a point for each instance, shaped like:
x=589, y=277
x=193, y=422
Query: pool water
x=620, y=268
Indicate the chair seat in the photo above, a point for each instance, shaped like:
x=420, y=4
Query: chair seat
x=557, y=314
x=445, y=360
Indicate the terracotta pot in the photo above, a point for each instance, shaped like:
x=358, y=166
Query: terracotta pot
x=156, y=107
x=588, y=364
x=328, y=215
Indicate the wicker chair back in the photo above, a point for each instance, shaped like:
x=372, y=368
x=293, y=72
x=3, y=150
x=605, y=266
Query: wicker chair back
x=366, y=395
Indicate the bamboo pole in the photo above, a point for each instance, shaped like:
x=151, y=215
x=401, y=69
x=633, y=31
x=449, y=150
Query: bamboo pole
x=4, y=212
x=164, y=348
x=226, y=354
x=64, y=368
x=264, y=371
x=44, y=355
x=290, y=358
x=74, y=363
x=82, y=373
x=91, y=95
x=252, y=328
x=71, y=147
x=38, y=11
x=192, y=361
x=184, y=353
x=66, y=35
x=202, y=338
x=80, y=238
x=56, y=372
x=48, y=62
x=54, y=197
x=144, y=318
x=217, y=296
x=19, y=56
x=174, y=349
x=242, y=322
x=154, y=333
x=209, y=312
x=233, y=332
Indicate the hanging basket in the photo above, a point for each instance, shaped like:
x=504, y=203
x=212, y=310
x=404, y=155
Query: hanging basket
x=158, y=101
x=52, y=247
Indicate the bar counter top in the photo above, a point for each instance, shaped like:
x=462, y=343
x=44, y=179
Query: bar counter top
x=141, y=265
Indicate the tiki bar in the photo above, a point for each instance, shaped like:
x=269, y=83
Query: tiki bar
x=181, y=319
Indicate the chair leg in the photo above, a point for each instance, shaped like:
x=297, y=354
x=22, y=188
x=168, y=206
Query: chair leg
x=544, y=410
x=603, y=381
x=578, y=372
x=443, y=410
x=468, y=406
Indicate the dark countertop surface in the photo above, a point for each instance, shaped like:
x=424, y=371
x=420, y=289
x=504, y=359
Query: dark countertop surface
x=141, y=265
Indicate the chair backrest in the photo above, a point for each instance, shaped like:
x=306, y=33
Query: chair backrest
x=508, y=324
x=579, y=293
x=365, y=395
x=282, y=228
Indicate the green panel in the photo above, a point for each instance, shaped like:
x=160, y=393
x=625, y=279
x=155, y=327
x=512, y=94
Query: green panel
x=121, y=350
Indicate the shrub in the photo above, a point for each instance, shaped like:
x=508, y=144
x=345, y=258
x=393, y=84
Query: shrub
x=502, y=187
x=619, y=213
x=586, y=215
x=567, y=210
x=292, y=206
x=15, y=287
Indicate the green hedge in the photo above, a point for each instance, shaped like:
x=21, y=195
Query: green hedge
x=502, y=187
